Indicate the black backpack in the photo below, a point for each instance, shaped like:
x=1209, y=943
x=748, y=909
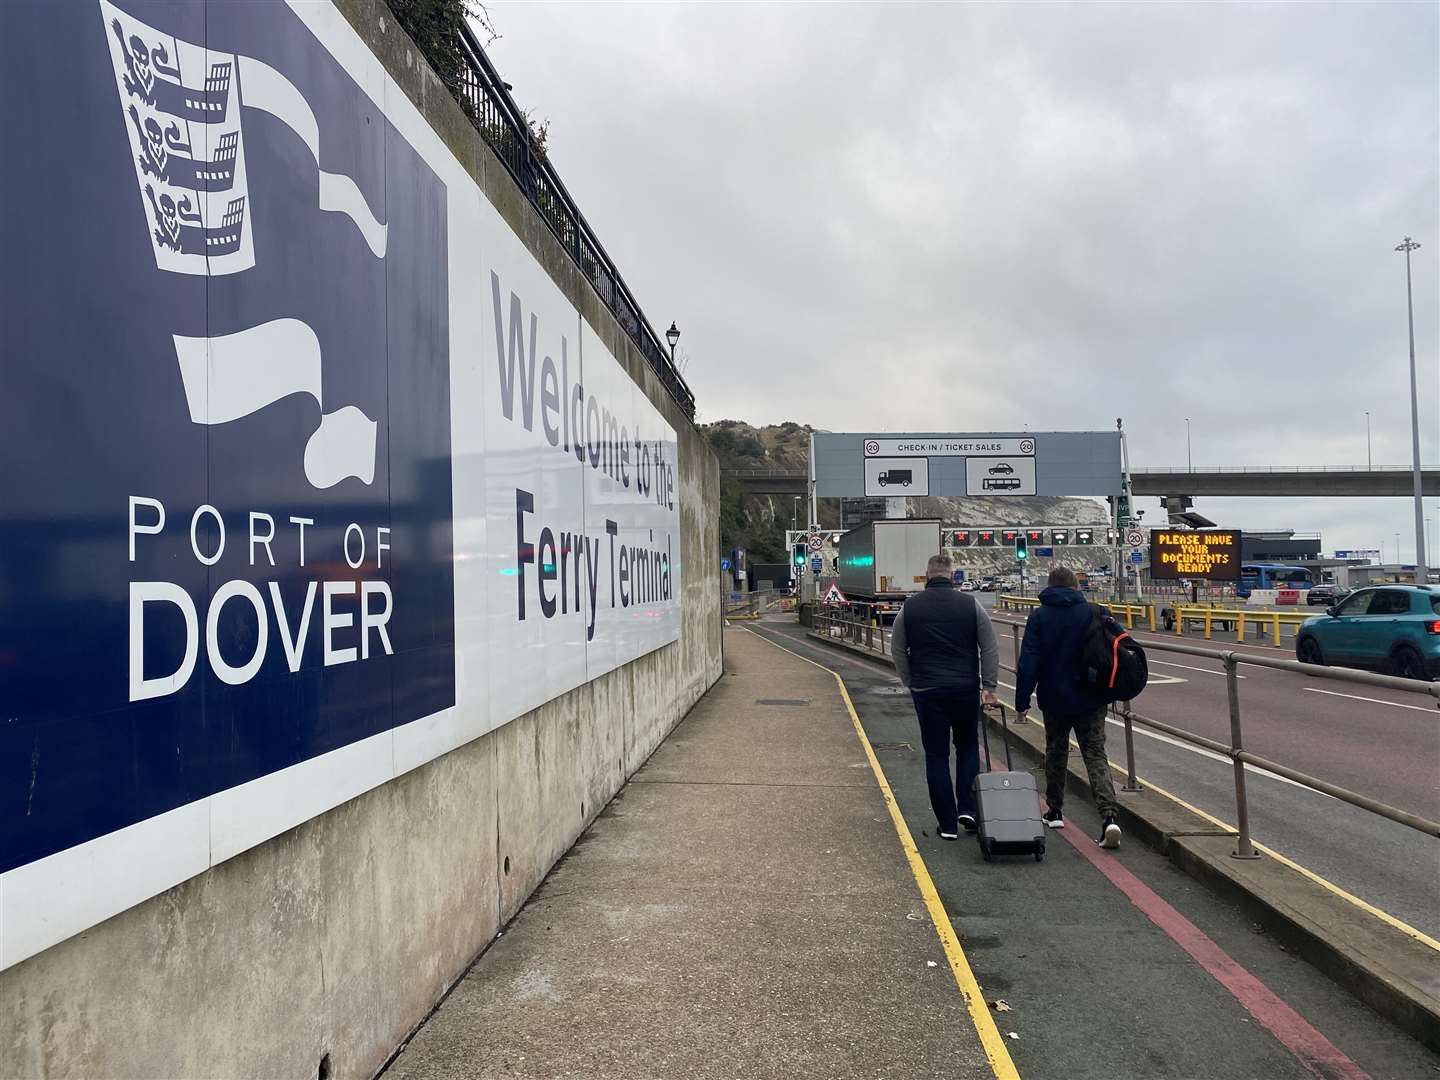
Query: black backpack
x=1112, y=665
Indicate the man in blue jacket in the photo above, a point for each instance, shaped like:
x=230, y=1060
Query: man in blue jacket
x=1049, y=660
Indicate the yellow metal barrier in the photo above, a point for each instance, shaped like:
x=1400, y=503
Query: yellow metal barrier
x=1209, y=617
x=1131, y=613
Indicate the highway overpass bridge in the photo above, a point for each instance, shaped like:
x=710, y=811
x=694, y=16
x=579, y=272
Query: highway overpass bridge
x=1271, y=482
x=1282, y=481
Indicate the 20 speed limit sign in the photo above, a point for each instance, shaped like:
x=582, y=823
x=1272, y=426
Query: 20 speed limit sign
x=1135, y=538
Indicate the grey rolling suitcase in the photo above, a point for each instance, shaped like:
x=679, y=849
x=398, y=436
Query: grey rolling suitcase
x=1007, y=806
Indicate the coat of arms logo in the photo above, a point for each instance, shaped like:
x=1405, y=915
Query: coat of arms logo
x=181, y=105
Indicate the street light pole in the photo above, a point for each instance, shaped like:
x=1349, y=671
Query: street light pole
x=673, y=337
x=1368, y=466
x=1421, y=573
x=1189, y=461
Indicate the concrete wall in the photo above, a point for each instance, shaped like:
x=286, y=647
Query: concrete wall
x=337, y=937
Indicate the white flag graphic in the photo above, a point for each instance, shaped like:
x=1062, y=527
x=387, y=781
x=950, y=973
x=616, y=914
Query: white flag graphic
x=231, y=376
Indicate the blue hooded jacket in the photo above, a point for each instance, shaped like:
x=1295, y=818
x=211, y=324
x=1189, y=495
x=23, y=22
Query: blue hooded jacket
x=1050, y=654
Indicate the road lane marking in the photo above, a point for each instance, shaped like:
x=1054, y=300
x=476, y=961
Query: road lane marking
x=1315, y=1052
x=1253, y=770
x=994, y=1046
x=1202, y=670
x=1329, y=886
x=1376, y=701
x=1335, y=890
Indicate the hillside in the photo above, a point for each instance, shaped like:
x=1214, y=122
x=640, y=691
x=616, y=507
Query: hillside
x=758, y=522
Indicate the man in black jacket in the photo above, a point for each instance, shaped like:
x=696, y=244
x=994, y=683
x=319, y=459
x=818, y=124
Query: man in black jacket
x=1050, y=661
x=945, y=652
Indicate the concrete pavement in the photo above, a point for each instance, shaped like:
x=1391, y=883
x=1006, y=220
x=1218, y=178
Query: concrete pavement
x=744, y=908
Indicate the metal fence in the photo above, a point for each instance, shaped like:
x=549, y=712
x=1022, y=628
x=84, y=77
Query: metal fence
x=504, y=128
x=856, y=629
x=753, y=604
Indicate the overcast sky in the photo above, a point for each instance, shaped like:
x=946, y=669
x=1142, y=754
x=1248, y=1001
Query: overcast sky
x=986, y=217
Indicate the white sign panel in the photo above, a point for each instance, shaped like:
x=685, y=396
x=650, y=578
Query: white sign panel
x=1000, y=476
x=947, y=447
x=897, y=477
x=578, y=488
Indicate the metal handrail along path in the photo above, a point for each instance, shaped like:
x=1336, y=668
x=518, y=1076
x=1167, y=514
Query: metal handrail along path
x=503, y=126
x=863, y=631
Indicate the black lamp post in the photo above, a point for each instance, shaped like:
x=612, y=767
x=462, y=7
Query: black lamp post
x=672, y=336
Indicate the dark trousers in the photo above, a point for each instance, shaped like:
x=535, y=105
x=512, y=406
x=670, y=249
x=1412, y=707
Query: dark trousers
x=946, y=715
x=1089, y=731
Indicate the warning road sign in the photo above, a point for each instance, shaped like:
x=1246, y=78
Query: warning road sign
x=833, y=595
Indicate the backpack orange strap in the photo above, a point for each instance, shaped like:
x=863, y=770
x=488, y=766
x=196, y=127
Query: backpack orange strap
x=1115, y=658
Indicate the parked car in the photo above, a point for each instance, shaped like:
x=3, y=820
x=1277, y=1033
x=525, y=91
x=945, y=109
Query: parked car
x=967, y=586
x=1393, y=628
x=1326, y=595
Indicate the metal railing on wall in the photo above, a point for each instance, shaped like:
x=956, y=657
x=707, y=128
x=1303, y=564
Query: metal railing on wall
x=863, y=629
x=504, y=128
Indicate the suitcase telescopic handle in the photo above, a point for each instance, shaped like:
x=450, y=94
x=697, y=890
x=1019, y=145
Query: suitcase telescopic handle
x=1005, y=735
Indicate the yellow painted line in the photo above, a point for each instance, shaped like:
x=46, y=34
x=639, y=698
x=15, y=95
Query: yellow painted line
x=1330, y=886
x=996, y=1051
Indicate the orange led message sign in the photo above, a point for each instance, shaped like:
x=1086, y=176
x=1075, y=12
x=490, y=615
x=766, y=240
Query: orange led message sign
x=1213, y=554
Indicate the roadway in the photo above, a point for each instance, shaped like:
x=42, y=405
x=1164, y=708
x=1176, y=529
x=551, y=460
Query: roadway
x=1380, y=743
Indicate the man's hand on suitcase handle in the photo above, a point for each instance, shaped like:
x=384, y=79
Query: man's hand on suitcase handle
x=988, y=700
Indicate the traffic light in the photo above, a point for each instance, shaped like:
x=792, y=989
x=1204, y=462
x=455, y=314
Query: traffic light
x=1022, y=547
x=798, y=557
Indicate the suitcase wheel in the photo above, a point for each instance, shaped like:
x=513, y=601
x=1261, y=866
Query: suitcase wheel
x=985, y=850
x=1039, y=850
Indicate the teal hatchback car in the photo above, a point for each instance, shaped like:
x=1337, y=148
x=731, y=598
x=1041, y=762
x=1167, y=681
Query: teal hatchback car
x=1389, y=628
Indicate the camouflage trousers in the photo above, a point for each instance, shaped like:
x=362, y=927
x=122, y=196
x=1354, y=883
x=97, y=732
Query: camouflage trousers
x=1089, y=731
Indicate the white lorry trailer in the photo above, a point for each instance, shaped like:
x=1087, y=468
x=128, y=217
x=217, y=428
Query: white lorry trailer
x=883, y=562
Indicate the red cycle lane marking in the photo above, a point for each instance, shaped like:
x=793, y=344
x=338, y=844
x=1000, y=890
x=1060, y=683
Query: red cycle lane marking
x=1317, y=1053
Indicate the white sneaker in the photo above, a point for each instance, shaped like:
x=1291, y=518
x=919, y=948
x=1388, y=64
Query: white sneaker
x=1109, y=834
x=1054, y=819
